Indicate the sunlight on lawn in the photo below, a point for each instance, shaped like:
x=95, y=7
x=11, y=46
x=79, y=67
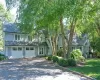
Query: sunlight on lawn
x=91, y=68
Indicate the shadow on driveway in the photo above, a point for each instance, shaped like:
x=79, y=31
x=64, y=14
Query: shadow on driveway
x=22, y=69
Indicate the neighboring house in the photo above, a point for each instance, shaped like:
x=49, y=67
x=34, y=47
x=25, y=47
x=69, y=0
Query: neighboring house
x=78, y=42
x=19, y=45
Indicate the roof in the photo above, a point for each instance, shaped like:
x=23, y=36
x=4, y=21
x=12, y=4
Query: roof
x=78, y=41
x=11, y=27
x=21, y=43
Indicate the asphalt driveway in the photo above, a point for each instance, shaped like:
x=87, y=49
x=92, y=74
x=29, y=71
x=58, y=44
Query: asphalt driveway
x=36, y=69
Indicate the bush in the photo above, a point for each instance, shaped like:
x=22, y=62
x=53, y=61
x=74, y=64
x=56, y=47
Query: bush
x=62, y=62
x=71, y=62
x=60, y=52
x=77, y=55
x=55, y=59
x=49, y=58
x=2, y=57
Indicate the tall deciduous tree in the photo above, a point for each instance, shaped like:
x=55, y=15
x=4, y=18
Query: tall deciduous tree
x=49, y=14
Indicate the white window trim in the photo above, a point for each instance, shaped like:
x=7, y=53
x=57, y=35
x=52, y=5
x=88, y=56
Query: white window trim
x=29, y=48
x=41, y=50
x=17, y=48
x=17, y=39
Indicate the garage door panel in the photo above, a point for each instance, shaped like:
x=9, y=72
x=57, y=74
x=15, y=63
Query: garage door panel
x=30, y=52
x=17, y=52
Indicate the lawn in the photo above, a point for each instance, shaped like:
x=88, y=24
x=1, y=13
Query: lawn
x=91, y=68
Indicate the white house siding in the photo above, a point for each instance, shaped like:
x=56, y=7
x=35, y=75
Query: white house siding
x=36, y=50
x=9, y=37
x=8, y=51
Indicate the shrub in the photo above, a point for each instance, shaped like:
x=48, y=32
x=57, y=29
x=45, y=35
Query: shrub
x=71, y=62
x=60, y=52
x=2, y=57
x=77, y=55
x=81, y=59
x=55, y=59
x=49, y=58
x=62, y=62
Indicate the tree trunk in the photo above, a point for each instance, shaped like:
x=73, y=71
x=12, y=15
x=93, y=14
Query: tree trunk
x=63, y=37
x=54, y=44
x=72, y=27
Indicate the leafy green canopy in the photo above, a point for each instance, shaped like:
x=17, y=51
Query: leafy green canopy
x=39, y=14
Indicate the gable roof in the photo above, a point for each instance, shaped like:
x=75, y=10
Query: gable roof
x=11, y=27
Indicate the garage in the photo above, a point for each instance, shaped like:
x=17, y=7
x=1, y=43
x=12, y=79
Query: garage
x=30, y=52
x=17, y=52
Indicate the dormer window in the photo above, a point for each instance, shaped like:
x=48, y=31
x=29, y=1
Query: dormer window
x=17, y=37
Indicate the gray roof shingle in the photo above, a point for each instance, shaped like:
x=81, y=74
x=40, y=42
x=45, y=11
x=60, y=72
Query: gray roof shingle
x=11, y=27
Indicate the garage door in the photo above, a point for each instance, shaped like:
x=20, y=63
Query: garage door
x=17, y=52
x=30, y=52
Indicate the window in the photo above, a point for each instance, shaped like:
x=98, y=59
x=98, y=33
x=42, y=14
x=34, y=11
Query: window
x=27, y=48
x=14, y=48
x=29, y=38
x=41, y=51
x=61, y=47
x=19, y=48
x=17, y=37
x=80, y=48
x=73, y=48
x=31, y=48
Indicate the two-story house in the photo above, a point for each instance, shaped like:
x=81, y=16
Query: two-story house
x=19, y=45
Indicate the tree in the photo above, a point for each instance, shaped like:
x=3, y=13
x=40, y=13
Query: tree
x=49, y=14
x=4, y=16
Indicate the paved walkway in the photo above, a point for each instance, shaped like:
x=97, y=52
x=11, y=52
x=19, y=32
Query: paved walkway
x=37, y=69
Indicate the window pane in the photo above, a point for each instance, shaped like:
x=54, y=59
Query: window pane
x=15, y=37
x=18, y=37
x=14, y=48
x=27, y=48
x=31, y=48
x=19, y=48
x=29, y=38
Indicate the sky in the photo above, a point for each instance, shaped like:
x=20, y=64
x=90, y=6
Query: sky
x=12, y=11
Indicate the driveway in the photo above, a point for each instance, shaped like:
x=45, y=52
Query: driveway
x=36, y=69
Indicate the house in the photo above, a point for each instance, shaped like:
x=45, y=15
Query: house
x=22, y=45
x=78, y=42
x=19, y=45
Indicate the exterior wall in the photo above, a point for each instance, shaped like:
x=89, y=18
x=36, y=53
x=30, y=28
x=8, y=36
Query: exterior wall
x=8, y=51
x=36, y=50
x=9, y=37
x=59, y=41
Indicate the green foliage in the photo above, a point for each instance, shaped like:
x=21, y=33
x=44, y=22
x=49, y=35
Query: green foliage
x=60, y=52
x=55, y=59
x=71, y=62
x=2, y=57
x=49, y=58
x=63, y=62
x=77, y=55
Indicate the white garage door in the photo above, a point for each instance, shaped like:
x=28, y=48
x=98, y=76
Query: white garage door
x=30, y=52
x=17, y=52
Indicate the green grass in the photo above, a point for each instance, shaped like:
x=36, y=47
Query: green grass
x=91, y=68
